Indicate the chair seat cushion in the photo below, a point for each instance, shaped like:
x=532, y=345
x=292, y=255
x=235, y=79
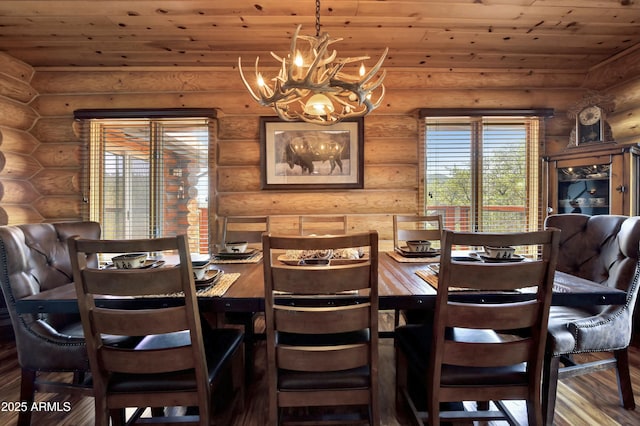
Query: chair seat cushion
x=349, y=338
x=74, y=332
x=575, y=330
x=415, y=342
x=353, y=378
x=220, y=345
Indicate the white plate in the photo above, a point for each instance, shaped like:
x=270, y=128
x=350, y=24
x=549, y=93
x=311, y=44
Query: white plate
x=210, y=278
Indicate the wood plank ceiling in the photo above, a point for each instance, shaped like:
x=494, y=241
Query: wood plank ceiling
x=507, y=34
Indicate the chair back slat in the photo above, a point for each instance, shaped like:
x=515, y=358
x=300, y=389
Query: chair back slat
x=153, y=361
x=487, y=354
x=512, y=315
x=496, y=276
x=333, y=358
x=322, y=225
x=140, y=322
x=298, y=279
x=132, y=282
x=334, y=319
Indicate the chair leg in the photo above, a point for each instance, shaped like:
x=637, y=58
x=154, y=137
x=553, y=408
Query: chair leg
x=549, y=387
x=249, y=346
x=102, y=413
x=401, y=381
x=118, y=417
x=78, y=377
x=238, y=379
x=624, y=379
x=27, y=390
x=482, y=405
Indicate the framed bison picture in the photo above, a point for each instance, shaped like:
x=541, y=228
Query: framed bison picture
x=299, y=155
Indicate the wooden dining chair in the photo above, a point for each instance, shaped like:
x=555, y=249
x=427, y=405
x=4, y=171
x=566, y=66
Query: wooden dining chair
x=322, y=341
x=322, y=224
x=408, y=227
x=414, y=227
x=480, y=352
x=179, y=362
x=249, y=229
x=245, y=228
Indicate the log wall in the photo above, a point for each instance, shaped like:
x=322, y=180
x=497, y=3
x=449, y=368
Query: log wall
x=621, y=77
x=47, y=151
x=17, y=145
x=391, y=132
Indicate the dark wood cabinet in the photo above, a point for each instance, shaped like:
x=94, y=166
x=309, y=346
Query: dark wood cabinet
x=594, y=179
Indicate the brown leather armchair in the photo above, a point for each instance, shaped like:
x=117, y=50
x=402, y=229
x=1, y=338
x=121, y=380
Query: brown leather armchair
x=603, y=249
x=34, y=258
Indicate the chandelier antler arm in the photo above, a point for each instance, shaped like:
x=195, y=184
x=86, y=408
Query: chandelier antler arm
x=246, y=83
x=319, y=52
x=376, y=67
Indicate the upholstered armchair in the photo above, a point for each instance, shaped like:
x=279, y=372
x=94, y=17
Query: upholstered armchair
x=34, y=258
x=602, y=249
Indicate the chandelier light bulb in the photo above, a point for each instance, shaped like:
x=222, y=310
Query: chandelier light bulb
x=319, y=105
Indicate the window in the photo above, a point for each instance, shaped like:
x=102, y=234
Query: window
x=148, y=178
x=483, y=173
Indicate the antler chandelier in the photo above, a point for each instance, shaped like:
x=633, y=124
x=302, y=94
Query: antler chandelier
x=313, y=85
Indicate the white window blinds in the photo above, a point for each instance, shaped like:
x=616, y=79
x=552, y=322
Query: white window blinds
x=482, y=173
x=148, y=178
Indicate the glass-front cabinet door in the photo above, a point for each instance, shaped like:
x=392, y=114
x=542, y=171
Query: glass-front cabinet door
x=593, y=181
x=584, y=189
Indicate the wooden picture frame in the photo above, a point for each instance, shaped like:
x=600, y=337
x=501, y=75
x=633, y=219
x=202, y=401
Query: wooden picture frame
x=299, y=155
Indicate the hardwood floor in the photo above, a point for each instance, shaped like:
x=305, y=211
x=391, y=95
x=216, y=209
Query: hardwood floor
x=585, y=400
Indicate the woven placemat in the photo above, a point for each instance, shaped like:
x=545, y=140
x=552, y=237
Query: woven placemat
x=432, y=279
x=216, y=290
x=253, y=259
x=400, y=258
x=219, y=288
x=429, y=276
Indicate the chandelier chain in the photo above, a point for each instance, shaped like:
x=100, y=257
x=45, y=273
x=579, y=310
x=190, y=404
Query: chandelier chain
x=317, y=18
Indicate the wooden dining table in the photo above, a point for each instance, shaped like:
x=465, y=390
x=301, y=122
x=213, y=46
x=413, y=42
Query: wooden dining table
x=399, y=287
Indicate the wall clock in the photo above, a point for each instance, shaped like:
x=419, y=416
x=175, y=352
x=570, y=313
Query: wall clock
x=590, y=125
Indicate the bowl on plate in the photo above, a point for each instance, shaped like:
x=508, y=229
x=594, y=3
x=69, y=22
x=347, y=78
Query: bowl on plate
x=199, y=268
x=236, y=246
x=419, y=246
x=129, y=260
x=499, y=252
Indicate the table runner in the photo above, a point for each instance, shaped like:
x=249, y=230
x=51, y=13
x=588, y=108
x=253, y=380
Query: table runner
x=399, y=258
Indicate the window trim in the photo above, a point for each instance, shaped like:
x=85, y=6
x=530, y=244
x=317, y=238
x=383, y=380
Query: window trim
x=489, y=112
x=123, y=113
